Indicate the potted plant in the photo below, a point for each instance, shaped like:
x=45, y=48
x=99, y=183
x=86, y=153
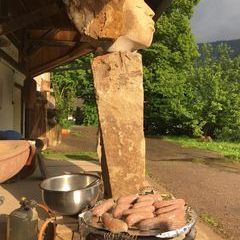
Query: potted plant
x=65, y=125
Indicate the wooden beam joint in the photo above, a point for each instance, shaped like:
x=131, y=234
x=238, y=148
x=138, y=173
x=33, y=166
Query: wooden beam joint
x=11, y=62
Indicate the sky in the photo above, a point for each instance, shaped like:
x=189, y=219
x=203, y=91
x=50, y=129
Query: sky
x=215, y=20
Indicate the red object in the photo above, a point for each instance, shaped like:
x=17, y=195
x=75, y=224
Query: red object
x=13, y=156
x=65, y=132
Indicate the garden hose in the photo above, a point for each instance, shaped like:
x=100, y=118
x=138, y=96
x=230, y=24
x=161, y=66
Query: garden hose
x=41, y=234
x=50, y=220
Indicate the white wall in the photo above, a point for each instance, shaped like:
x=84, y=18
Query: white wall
x=10, y=119
x=6, y=94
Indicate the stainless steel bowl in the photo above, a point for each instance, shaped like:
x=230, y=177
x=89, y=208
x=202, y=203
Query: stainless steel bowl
x=69, y=194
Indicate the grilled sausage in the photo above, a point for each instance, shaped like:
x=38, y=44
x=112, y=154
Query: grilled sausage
x=169, y=208
x=127, y=199
x=166, y=203
x=143, y=204
x=155, y=197
x=118, y=210
x=100, y=209
x=137, y=210
x=153, y=223
x=134, y=218
x=164, y=222
x=114, y=225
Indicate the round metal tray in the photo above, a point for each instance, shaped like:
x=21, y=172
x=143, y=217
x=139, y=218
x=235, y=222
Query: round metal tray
x=95, y=222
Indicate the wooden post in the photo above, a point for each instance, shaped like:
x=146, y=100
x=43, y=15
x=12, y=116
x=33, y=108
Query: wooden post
x=118, y=82
x=3, y=9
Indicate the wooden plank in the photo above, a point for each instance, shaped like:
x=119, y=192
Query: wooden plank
x=23, y=5
x=27, y=19
x=60, y=26
x=12, y=62
x=75, y=53
x=3, y=9
x=54, y=43
x=48, y=34
x=4, y=42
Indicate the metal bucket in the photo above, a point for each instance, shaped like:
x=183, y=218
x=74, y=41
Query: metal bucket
x=69, y=194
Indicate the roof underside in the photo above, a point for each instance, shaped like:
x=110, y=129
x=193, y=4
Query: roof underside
x=43, y=33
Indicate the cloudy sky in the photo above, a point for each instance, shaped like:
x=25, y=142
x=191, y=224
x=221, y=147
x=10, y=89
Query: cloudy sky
x=216, y=20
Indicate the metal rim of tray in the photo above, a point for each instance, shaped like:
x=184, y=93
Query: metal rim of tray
x=191, y=221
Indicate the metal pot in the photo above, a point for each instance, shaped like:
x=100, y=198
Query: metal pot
x=71, y=193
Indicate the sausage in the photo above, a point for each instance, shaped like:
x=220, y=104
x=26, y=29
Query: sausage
x=143, y=204
x=164, y=222
x=153, y=223
x=134, y=218
x=155, y=197
x=118, y=210
x=137, y=210
x=114, y=225
x=100, y=209
x=169, y=208
x=178, y=202
x=128, y=199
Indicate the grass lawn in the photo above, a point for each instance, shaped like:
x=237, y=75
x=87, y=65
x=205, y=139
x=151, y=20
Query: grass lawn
x=227, y=149
x=87, y=156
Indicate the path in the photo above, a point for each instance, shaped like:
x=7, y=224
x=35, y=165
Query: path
x=207, y=183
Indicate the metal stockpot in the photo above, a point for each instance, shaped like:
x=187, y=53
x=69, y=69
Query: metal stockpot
x=71, y=193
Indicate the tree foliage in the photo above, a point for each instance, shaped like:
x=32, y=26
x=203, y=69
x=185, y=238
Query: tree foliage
x=166, y=66
x=214, y=93
x=185, y=92
x=74, y=81
x=64, y=92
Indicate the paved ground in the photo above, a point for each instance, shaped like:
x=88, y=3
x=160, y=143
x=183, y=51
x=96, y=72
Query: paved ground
x=30, y=189
x=210, y=188
x=206, y=181
x=203, y=178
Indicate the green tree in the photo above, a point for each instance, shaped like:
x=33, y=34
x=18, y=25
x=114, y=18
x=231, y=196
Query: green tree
x=74, y=81
x=214, y=87
x=64, y=89
x=166, y=68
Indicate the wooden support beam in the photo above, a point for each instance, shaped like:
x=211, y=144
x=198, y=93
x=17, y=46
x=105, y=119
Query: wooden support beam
x=11, y=62
x=12, y=37
x=77, y=52
x=23, y=6
x=4, y=42
x=48, y=34
x=29, y=18
x=53, y=43
x=3, y=9
x=60, y=26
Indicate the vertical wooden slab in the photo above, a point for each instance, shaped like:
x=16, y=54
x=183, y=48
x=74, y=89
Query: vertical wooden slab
x=118, y=82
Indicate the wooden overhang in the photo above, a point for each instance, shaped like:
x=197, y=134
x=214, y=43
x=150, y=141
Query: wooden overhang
x=44, y=35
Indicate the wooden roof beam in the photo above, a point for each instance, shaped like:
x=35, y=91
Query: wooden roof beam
x=3, y=9
x=77, y=52
x=48, y=34
x=23, y=5
x=53, y=43
x=29, y=18
x=11, y=62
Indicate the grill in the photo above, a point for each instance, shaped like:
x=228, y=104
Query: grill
x=92, y=229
